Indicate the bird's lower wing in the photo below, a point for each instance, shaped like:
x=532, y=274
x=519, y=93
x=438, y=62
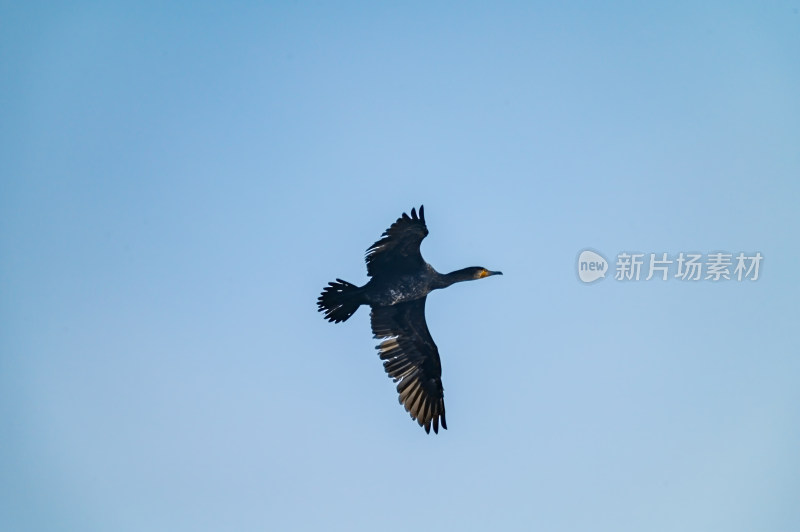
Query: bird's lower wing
x=411, y=358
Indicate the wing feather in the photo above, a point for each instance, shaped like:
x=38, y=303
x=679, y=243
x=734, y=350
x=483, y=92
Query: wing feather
x=397, y=251
x=411, y=358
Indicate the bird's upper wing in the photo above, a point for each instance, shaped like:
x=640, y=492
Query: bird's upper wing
x=397, y=252
x=411, y=358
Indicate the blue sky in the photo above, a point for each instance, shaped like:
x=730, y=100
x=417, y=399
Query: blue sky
x=180, y=181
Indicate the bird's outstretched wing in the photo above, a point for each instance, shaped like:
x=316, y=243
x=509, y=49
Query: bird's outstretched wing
x=397, y=252
x=411, y=358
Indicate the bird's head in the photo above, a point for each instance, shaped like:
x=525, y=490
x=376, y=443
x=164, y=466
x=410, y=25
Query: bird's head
x=466, y=274
x=479, y=272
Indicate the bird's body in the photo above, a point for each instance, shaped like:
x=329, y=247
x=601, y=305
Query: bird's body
x=396, y=293
x=387, y=292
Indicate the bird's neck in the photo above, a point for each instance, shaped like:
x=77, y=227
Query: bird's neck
x=445, y=280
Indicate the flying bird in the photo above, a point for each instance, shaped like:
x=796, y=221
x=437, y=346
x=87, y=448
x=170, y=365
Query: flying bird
x=400, y=283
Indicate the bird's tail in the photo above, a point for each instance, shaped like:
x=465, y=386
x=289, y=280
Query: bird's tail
x=339, y=300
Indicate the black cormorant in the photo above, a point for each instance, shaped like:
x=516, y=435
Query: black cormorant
x=400, y=282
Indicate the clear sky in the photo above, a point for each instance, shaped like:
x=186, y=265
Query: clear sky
x=180, y=181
